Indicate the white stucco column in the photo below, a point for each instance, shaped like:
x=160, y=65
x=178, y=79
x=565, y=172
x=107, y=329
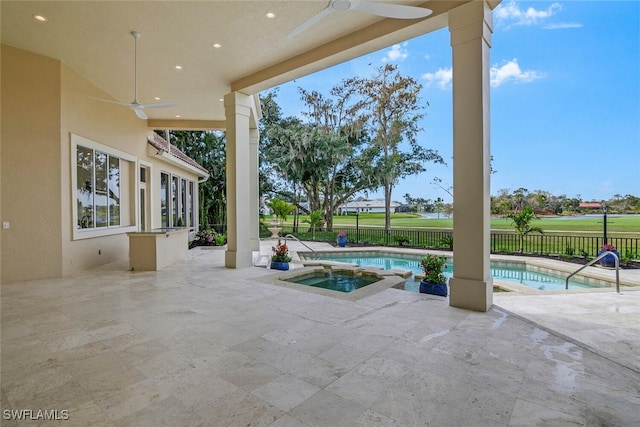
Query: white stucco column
x=471, y=27
x=238, y=114
x=254, y=136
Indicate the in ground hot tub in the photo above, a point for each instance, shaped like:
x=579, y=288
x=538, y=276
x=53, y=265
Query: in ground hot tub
x=341, y=281
x=350, y=283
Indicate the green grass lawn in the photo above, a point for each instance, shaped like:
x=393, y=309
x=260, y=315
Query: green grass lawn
x=628, y=226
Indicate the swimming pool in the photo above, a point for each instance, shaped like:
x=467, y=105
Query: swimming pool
x=509, y=272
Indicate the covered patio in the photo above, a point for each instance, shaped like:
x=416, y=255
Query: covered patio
x=212, y=59
x=198, y=344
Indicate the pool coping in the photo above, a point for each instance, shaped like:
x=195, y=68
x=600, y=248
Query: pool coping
x=596, y=275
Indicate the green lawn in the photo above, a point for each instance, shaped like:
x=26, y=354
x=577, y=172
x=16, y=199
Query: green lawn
x=628, y=226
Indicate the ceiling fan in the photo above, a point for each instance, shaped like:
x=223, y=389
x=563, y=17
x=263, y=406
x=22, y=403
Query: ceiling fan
x=386, y=10
x=136, y=106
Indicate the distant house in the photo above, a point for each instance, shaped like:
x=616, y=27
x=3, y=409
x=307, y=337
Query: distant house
x=590, y=205
x=362, y=205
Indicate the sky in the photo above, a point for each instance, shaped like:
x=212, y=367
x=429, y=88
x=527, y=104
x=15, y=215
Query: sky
x=565, y=98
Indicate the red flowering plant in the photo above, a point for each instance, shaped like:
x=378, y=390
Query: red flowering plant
x=433, y=266
x=280, y=253
x=608, y=247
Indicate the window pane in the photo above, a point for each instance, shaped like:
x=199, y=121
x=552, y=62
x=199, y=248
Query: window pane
x=84, y=187
x=164, y=198
x=114, y=191
x=191, y=216
x=174, y=201
x=101, y=189
x=183, y=204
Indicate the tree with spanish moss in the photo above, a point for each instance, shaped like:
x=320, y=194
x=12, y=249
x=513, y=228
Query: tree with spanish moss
x=321, y=155
x=395, y=109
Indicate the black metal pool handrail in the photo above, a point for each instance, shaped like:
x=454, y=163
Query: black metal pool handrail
x=598, y=258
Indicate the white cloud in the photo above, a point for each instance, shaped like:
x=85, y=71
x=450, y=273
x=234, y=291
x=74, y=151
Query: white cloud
x=506, y=72
x=562, y=25
x=441, y=78
x=510, y=14
x=510, y=72
x=398, y=52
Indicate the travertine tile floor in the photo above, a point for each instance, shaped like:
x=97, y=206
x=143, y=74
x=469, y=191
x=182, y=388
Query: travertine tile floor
x=200, y=345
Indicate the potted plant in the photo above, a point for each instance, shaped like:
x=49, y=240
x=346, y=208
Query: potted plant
x=280, y=258
x=342, y=239
x=434, y=281
x=608, y=260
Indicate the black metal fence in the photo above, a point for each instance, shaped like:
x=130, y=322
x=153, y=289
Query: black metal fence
x=547, y=244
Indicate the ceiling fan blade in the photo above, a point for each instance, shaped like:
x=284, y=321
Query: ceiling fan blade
x=139, y=112
x=389, y=10
x=159, y=105
x=317, y=17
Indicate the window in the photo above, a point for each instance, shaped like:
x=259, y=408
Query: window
x=97, y=189
x=164, y=199
x=174, y=201
x=177, y=201
x=191, y=212
x=103, y=186
x=184, y=219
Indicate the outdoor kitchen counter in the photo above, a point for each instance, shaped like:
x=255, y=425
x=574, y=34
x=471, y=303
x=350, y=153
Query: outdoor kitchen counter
x=155, y=249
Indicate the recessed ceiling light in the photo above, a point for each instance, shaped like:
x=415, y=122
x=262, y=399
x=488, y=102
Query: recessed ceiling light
x=217, y=45
x=221, y=100
x=39, y=18
x=270, y=15
x=157, y=98
x=177, y=116
x=178, y=67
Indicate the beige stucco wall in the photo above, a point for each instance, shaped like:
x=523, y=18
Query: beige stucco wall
x=30, y=160
x=43, y=103
x=107, y=124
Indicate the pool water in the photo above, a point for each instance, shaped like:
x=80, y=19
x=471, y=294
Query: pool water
x=335, y=281
x=499, y=271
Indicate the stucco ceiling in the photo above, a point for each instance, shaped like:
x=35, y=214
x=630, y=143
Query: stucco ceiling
x=93, y=38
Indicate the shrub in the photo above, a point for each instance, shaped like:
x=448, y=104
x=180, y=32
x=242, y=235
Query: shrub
x=433, y=267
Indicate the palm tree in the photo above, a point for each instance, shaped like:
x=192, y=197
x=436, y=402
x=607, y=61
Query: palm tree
x=522, y=223
x=281, y=209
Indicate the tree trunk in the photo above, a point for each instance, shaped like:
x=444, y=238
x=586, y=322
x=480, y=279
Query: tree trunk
x=387, y=207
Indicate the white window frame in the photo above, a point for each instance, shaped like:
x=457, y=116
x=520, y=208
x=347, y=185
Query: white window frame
x=190, y=221
x=78, y=234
